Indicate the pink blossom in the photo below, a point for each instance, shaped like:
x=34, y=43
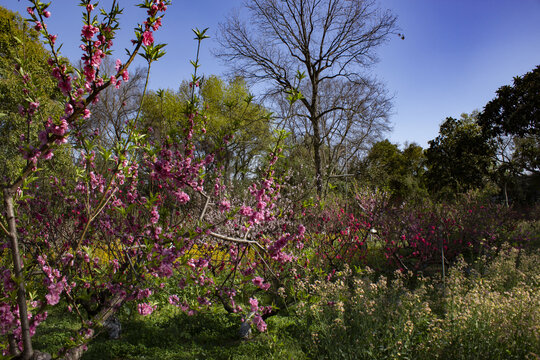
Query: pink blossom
x=118, y=64
x=145, y=293
x=125, y=75
x=145, y=309
x=153, y=10
x=68, y=109
x=57, y=73
x=7, y=319
x=48, y=155
x=156, y=24
x=88, y=31
x=65, y=86
x=225, y=205
x=96, y=58
x=32, y=107
x=115, y=265
x=47, y=13
x=246, y=210
x=89, y=73
x=259, y=323
x=154, y=215
x=301, y=230
x=181, y=197
x=42, y=136
x=203, y=301
x=148, y=38
x=55, y=289
x=259, y=282
x=254, y=304
x=61, y=129
x=174, y=300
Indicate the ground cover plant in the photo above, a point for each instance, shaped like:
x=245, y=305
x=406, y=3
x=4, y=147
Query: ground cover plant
x=146, y=231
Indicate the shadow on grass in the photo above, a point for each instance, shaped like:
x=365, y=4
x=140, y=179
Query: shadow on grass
x=202, y=336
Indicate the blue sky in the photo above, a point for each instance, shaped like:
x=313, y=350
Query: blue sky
x=455, y=55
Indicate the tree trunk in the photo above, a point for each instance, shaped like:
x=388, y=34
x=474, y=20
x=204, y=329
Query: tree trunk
x=505, y=195
x=317, y=157
x=314, y=117
x=19, y=277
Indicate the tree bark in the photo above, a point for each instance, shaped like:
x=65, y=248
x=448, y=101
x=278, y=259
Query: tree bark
x=19, y=276
x=317, y=157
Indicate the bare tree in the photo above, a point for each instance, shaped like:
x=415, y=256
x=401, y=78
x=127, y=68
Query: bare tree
x=330, y=41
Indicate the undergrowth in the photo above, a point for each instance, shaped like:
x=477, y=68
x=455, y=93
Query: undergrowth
x=489, y=309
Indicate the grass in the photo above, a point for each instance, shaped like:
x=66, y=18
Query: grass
x=489, y=309
x=170, y=334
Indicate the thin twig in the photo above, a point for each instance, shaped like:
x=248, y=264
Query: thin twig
x=401, y=262
x=4, y=228
x=201, y=217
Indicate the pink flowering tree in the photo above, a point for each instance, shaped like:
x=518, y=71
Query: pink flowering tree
x=79, y=88
x=136, y=214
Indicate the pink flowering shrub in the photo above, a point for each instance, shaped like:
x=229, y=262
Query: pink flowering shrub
x=417, y=236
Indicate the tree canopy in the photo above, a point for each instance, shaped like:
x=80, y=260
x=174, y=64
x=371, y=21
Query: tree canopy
x=516, y=108
x=460, y=158
x=20, y=47
x=389, y=168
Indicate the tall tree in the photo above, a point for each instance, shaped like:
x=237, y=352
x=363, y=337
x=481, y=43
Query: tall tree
x=512, y=121
x=327, y=41
x=237, y=128
x=460, y=158
x=236, y=124
x=398, y=171
x=516, y=109
x=20, y=47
